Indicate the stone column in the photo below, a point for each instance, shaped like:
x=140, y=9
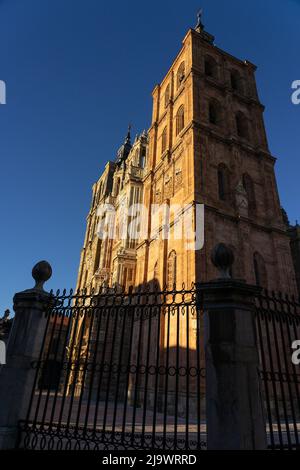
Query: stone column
x=234, y=407
x=17, y=375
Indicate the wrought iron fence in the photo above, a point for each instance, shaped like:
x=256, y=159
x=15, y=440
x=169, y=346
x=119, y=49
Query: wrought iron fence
x=278, y=326
x=124, y=370
x=119, y=370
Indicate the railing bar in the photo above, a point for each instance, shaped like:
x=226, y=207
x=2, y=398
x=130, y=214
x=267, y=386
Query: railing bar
x=146, y=378
x=77, y=368
x=121, y=354
x=44, y=369
x=265, y=381
x=48, y=363
x=199, y=308
x=280, y=377
x=101, y=368
x=98, y=315
x=177, y=375
x=270, y=349
x=288, y=381
x=187, y=376
x=136, y=386
x=37, y=375
x=61, y=362
x=166, y=379
x=88, y=314
x=110, y=371
x=157, y=377
x=128, y=374
x=73, y=326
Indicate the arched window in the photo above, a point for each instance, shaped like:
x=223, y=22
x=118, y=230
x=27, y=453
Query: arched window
x=97, y=257
x=210, y=67
x=180, y=119
x=142, y=161
x=171, y=273
x=249, y=188
x=260, y=271
x=164, y=140
x=180, y=74
x=236, y=81
x=215, y=113
x=242, y=125
x=167, y=95
x=223, y=182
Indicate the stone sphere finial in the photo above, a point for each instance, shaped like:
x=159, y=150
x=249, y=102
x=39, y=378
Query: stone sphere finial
x=223, y=258
x=41, y=273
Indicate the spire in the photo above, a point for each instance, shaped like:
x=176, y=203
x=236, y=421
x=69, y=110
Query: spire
x=124, y=150
x=128, y=137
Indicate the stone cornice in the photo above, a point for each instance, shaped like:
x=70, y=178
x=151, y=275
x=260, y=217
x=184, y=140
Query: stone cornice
x=238, y=219
x=256, y=151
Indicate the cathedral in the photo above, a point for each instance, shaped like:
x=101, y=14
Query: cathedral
x=206, y=146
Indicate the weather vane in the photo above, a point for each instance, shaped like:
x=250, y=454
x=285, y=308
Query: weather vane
x=199, y=19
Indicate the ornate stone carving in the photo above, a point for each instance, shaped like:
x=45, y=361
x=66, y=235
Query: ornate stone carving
x=158, y=198
x=241, y=200
x=178, y=178
x=168, y=189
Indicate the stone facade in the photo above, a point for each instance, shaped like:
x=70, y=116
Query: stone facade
x=111, y=259
x=206, y=145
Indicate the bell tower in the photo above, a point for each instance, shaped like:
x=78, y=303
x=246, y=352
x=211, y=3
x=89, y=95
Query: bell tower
x=208, y=145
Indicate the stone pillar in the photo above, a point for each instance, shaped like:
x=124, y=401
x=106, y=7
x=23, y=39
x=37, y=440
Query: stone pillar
x=234, y=407
x=17, y=375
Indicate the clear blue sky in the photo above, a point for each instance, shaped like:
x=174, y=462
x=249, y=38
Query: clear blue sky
x=77, y=72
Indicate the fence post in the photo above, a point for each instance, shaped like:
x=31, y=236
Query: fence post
x=17, y=375
x=234, y=406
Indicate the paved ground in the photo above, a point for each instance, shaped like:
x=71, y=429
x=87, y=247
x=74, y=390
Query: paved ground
x=143, y=424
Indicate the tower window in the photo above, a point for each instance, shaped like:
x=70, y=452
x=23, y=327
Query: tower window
x=236, y=81
x=180, y=119
x=210, y=67
x=143, y=158
x=242, y=125
x=180, y=74
x=215, y=113
x=164, y=140
x=97, y=258
x=223, y=182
